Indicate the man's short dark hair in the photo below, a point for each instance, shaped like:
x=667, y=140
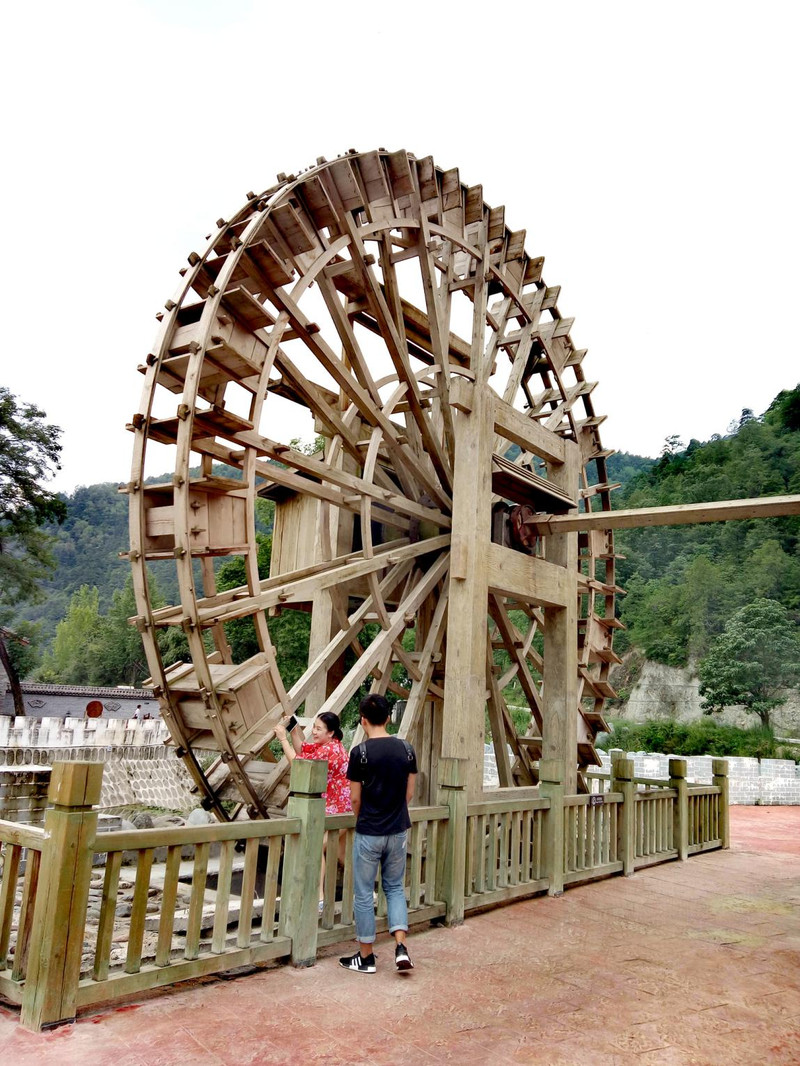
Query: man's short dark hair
x=375, y=709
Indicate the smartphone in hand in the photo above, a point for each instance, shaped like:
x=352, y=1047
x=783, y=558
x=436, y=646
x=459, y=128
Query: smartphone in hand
x=291, y=724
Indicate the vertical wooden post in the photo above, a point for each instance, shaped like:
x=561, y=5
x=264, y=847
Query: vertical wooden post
x=677, y=780
x=303, y=859
x=560, y=688
x=51, y=986
x=453, y=794
x=719, y=769
x=551, y=786
x=622, y=774
x=463, y=713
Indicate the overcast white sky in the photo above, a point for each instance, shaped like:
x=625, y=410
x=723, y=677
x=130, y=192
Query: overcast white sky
x=649, y=149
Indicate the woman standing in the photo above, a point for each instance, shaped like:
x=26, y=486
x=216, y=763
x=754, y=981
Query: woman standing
x=326, y=743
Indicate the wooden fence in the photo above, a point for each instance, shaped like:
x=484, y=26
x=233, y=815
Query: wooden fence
x=158, y=906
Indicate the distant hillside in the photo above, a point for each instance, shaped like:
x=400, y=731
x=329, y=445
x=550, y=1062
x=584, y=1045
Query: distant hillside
x=684, y=582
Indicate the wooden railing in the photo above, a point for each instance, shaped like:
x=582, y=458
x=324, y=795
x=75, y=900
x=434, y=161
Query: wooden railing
x=654, y=820
x=242, y=935
x=423, y=875
x=20, y=854
x=504, y=850
x=591, y=836
x=705, y=818
x=264, y=903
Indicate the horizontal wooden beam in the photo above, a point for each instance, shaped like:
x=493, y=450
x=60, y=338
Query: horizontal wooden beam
x=529, y=435
x=513, y=425
x=677, y=515
x=529, y=578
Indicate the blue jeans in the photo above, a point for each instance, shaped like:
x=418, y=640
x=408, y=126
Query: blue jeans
x=389, y=853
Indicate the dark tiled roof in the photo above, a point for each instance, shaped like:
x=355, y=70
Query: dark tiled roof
x=33, y=689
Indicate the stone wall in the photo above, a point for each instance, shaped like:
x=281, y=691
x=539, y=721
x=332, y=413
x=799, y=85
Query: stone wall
x=770, y=782
x=23, y=793
x=140, y=768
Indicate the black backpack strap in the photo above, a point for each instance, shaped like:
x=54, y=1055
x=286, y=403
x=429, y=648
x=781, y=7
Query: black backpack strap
x=360, y=751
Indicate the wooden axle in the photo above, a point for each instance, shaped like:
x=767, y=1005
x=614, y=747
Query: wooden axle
x=678, y=515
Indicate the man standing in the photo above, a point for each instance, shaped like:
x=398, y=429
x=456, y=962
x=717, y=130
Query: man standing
x=382, y=772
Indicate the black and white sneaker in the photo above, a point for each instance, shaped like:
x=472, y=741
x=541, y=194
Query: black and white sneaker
x=401, y=958
x=358, y=963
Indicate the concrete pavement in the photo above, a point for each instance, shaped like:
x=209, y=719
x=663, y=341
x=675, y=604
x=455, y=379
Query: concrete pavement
x=684, y=964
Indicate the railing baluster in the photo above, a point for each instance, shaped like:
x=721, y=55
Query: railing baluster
x=26, y=912
x=244, y=929
x=502, y=845
x=12, y=854
x=415, y=889
x=108, y=910
x=469, y=864
x=331, y=874
x=194, y=923
x=491, y=872
x=430, y=865
x=133, y=960
x=347, y=879
x=271, y=890
x=481, y=853
x=588, y=820
x=169, y=897
x=515, y=874
x=222, y=905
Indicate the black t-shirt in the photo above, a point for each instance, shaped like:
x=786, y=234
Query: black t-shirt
x=382, y=765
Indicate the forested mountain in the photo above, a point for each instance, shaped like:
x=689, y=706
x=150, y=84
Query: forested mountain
x=86, y=548
x=683, y=582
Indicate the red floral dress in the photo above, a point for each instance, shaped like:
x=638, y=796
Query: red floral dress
x=337, y=796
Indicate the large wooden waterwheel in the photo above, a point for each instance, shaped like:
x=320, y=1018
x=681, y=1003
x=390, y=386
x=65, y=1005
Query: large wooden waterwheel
x=378, y=303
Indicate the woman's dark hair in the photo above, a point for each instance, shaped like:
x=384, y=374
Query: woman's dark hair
x=331, y=723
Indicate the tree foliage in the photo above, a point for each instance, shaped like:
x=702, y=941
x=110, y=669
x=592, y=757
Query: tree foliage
x=685, y=582
x=29, y=452
x=755, y=658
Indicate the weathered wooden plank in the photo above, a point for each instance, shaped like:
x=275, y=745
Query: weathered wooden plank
x=108, y=910
x=26, y=915
x=133, y=958
x=680, y=514
x=12, y=855
x=222, y=904
x=169, y=896
x=525, y=577
x=194, y=920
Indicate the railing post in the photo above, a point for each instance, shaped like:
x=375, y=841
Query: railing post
x=719, y=769
x=622, y=775
x=303, y=859
x=452, y=794
x=51, y=985
x=551, y=786
x=677, y=780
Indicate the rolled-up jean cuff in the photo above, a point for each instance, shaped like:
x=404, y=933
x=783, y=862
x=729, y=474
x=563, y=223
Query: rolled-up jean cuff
x=397, y=929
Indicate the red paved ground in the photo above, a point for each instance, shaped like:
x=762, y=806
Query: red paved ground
x=684, y=964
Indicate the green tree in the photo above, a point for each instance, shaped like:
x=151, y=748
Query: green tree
x=119, y=654
x=29, y=451
x=72, y=660
x=752, y=661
